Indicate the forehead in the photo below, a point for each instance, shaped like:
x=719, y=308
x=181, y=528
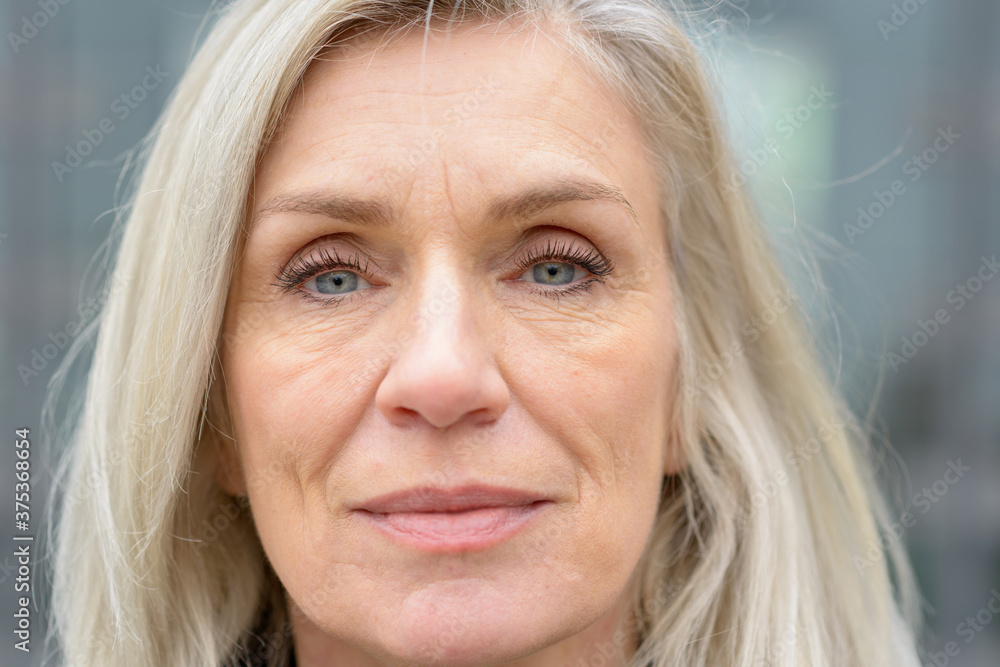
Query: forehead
x=492, y=106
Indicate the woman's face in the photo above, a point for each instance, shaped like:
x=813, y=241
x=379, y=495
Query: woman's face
x=454, y=281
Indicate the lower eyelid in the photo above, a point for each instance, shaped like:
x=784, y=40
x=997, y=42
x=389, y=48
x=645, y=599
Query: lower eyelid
x=570, y=290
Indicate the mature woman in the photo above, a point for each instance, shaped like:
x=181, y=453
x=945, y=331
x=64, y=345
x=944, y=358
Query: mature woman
x=442, y=340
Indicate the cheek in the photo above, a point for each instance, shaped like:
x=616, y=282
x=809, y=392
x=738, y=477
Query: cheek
x=603, y=398
x=605, y=392
x=294, y=394
x=296, y=398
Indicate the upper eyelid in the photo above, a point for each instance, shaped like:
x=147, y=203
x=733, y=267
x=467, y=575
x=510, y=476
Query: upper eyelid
x=304, y=267
x=568, y=252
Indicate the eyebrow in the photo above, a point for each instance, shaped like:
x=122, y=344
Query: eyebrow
x=379, y=212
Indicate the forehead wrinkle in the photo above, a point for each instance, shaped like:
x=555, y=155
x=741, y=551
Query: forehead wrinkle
x=520, y=205
x=379, y=213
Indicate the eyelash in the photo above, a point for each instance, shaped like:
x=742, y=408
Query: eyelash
x=590, y=260
x=290, y=278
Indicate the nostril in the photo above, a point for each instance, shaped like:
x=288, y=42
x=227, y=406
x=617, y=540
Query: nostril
x=404, y=416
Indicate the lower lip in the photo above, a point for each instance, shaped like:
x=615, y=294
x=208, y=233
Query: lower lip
x=444, y=532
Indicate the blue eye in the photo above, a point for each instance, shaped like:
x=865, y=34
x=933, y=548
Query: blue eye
x=336, y=282
x=559, y=266
x=552, y=273
x=328, y=275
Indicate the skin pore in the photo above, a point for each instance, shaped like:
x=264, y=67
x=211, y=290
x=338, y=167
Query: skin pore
x=454, y=275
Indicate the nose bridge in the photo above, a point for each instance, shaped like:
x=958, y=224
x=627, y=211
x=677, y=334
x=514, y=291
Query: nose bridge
x=445, y=328
x=441, y=274
x=445, y=367
x=440, y=303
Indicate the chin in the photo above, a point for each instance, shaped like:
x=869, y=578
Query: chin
x=456, y=631
x=454, y=643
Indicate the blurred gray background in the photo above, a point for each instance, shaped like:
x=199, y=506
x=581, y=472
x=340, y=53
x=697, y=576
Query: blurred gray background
x=870, y=128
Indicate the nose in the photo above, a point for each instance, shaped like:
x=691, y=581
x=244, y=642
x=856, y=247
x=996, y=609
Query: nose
x=446, y=370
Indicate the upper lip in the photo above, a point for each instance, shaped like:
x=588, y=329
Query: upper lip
x=457, y=499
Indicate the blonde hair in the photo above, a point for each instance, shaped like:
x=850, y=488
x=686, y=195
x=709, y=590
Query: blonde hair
x=752, y=556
